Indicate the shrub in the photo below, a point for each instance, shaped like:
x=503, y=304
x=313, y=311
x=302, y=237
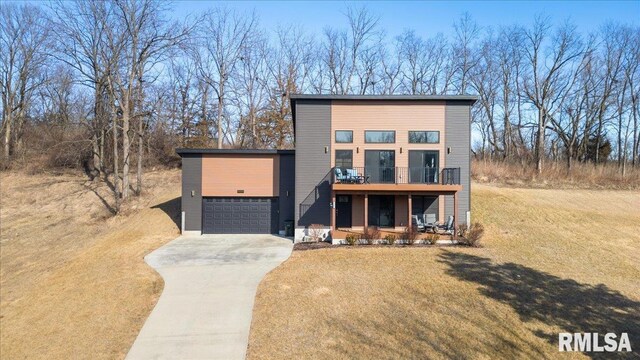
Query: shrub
x=316, y=231
x=431, y=239
x=463, y=230
x=409, y=235
x=473, y=235
x=371, y=234
x=390, y=239
x=352, y=239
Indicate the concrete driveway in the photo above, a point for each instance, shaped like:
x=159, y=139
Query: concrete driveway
x=205, y=309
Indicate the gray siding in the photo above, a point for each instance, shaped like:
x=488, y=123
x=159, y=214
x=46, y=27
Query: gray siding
x=458, y=138
x=312, y=164
x=287, y=189
x=192, y=181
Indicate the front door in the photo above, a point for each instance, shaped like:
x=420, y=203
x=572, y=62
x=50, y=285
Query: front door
x=380, y=166
x=343, y=211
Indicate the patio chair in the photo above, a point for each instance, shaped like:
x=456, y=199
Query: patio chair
x=417, y=222
x=446, y=228
x=340, y=177
x=429, y=221
x=352, y=174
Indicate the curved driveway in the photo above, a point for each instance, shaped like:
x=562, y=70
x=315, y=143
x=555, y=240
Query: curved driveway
x=205, y=309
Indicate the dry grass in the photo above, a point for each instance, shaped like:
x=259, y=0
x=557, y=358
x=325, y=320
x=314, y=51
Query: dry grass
x=555, y=175
x=554, y=260
x=72, y=277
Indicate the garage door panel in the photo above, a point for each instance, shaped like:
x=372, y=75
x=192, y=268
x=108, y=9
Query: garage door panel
x=239, y=215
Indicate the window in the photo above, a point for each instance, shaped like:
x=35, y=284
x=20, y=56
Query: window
x=424, y=137
x=344, y=136
x=377, y=136
x=344, y=159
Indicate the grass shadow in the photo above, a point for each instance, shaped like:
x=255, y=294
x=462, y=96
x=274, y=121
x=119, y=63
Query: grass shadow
x=172, y=209
x=563, y=303
x=405, y=328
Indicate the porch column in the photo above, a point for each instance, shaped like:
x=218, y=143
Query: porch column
x=409, y=224
x=333, y=211
x=455, y=215
x=366, y=210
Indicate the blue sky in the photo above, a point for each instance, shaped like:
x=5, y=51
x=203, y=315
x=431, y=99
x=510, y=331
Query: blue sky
x=429, y=17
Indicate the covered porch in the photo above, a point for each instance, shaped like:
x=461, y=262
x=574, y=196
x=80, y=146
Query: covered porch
x=354, y=210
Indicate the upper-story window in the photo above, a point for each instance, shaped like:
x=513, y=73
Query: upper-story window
x=424, y=137
x=344, y=136
x=379, y=136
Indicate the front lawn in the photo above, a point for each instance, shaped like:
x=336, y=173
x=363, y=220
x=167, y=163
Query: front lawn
x=553, y=261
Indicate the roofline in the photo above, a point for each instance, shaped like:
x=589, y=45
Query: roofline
x=471, y=98
x=183, y=151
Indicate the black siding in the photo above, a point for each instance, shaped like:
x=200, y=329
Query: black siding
x=458, y=138
x=287, y=189
x=312, y=164
x=192, y=181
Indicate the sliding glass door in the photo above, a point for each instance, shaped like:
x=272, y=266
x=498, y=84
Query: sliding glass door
x=381, y=210
x=380, y=165
x=423, y=166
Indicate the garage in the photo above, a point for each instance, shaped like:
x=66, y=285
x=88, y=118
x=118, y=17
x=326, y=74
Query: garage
x=239, y=215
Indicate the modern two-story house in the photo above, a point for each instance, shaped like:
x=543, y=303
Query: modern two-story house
x=359, y=161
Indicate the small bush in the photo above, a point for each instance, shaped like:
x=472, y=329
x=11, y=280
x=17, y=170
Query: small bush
x=409, y=235
x=390, y=239
x=473, y=235
x=316, y=231
x=431, y=239
x=463, y=230
x=352, y=239
x=371, y=234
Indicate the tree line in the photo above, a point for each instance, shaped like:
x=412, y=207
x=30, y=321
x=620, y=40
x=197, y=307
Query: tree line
x=113, y=86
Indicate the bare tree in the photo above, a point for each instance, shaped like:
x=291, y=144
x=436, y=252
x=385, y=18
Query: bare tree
x=223, y=34
x=466, y=34
x=547, y=77
x=23, y=49
x=139, y=38
x=508, y=61
x=484, y=78
x=632, y=75
x=81, y=28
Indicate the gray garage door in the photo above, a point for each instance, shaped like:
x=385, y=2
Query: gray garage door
x=239, y=215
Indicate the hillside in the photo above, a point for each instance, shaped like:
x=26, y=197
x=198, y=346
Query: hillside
x=73, y=281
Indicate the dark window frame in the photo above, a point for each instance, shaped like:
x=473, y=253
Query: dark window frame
x=366, y=141
x=426, y=136
x=335, y=137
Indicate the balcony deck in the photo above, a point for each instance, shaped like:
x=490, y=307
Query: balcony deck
x=418, y=187
x=396, y=179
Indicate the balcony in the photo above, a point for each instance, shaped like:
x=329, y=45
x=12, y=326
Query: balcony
x=396, y=179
